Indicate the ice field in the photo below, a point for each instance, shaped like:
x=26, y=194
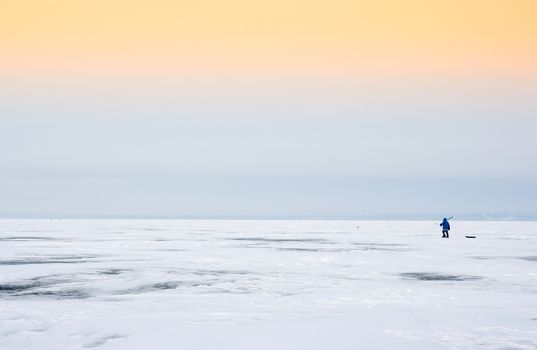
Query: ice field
x=215, y=285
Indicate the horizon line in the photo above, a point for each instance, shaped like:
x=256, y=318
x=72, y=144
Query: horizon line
x=372, y=217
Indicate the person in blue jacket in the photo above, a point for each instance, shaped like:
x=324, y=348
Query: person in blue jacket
x=445, y=228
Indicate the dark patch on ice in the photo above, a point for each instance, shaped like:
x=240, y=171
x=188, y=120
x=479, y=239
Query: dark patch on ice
x=101, y=341
x=164, y=286
x=529, y=258
x=73, y=257
x=18, y=287
x=237, y=290
x=63, y=259
x=42, y=286
x=220, y=272
x=8, y=333
x=281, y=240
x=33, y=262
x=434, y=276
x=111, y=272
x=27, y=238
x=241, y=291
x=10, y=288
x=58, y=294
x=179, y=240
x=38, y=330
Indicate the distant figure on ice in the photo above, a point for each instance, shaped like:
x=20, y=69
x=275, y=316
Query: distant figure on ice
x=445, y=228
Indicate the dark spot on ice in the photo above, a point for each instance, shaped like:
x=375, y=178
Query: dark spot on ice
x=433, y=276
x=38, y=330
x=42, y=286
x=300, y=249
x=58, y=294
x=179, y=240
x=164, y=286
x=237, y=290
x=103, y=340
x=26, y=238
x=73, y=257
x=529, y=258
x=220, y=272
x=25, y=262
x=18, y=287
x=8, y=333
x=111, y=272
x=64, y=259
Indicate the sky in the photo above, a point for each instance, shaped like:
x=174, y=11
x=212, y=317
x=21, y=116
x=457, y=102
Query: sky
x=269, y=109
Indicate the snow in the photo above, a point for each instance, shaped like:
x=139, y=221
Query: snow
x=187, y=284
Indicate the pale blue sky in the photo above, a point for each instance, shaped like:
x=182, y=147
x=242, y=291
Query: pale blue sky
x=315, y=148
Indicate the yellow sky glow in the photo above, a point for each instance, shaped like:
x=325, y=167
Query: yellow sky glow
x=289, y=35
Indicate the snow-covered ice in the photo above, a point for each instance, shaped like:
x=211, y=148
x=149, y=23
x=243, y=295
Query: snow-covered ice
x=141, y=284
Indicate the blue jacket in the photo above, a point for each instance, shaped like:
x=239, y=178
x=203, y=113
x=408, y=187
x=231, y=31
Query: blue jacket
x=445, y=224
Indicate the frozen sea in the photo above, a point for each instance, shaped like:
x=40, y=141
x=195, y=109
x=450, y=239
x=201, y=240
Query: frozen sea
x=215, y=285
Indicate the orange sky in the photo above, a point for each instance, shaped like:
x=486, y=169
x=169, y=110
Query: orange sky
x=234, y=36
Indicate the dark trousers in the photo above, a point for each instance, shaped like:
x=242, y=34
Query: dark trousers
x=445, y=233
